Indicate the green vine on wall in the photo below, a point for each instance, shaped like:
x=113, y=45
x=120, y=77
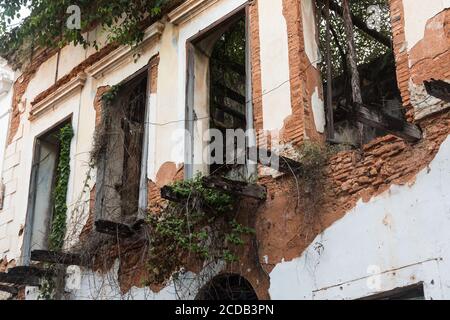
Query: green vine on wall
x=58, y=227
x=204, y=228
x=109, y=96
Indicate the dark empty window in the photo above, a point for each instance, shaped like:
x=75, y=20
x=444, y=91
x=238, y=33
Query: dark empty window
x=360, y=86
x=119, y=171
x=219, y=99
x=414, y=292
x=228, y=287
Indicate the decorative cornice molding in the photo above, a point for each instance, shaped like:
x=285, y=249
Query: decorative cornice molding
x=61, y=93
x=124, y=54
x=188, y=10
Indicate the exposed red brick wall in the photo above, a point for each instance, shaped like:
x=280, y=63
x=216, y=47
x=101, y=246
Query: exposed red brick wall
x=401, y=55
x=6, y=264
x=430, y=57
x=19, y=88
x=76, y=71
x=294, y=127
x=153, y=73
x=89, y=225
x=167, y=173
x=21, y=84
x=255, y=53
x=282, y=230
x=98, y=104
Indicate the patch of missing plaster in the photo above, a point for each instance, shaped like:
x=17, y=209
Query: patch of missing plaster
x=387, y=220
x=166, y=174
x=6, y=264
x=349, y=179
x=318, y=111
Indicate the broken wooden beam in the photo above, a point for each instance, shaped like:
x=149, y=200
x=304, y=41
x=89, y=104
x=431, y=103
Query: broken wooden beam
x=33, y=281
x=57, y=257
x=13, y=290
x=395, y=126
x=438, y=89
x=237, y=188
x=26, y=271
x=272, y=160
x=113, y=228
x=25, y=275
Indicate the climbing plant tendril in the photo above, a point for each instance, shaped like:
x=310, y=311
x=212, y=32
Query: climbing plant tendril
x=58, y=228
x=204, y=228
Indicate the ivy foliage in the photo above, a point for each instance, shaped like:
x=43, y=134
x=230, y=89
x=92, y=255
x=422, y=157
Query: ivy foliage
x=187, y=231
x=46, y=26
x=58, y=227
x=109, y=96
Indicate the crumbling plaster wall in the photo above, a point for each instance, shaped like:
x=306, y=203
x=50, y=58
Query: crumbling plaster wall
x=5, y=108
x=167, y=151
x=394, y=240
x=422, y=49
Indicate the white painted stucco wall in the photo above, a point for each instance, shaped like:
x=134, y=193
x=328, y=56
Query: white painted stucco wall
x=5, y=108
x=167, y=114
x=274, y=55
x=5, y=113
x=417, y=13
x=397, y=239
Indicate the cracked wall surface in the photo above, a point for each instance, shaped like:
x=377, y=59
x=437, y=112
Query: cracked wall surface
x=299, y=248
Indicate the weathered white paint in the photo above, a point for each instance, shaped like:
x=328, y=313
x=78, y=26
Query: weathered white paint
x=318, y=111
x=309, y=32
x=403, y=209
x=417, y=13
x=6, y=76
x=166, y=116
x=400, y=229
x=274, y=57
x=8, y=159
x=82, y=284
